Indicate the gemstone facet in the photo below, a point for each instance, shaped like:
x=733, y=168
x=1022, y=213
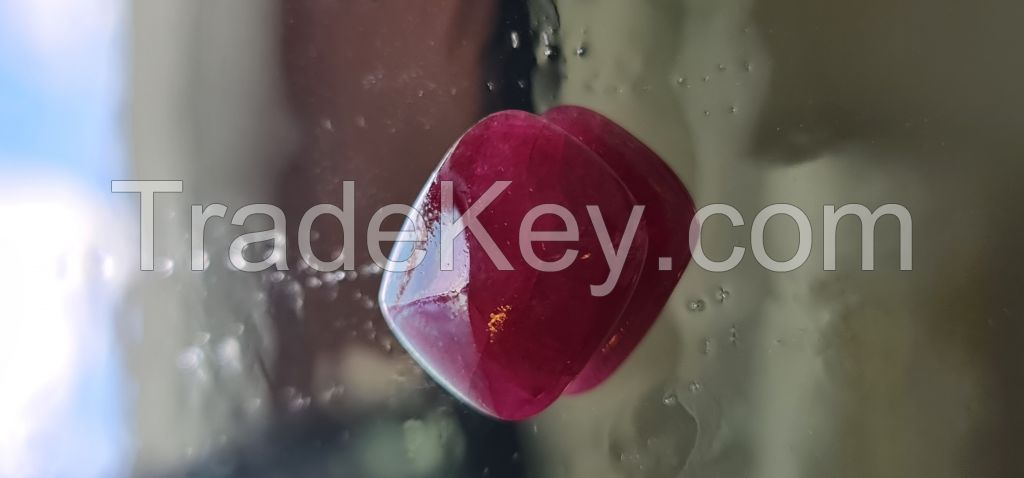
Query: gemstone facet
x=669, y=209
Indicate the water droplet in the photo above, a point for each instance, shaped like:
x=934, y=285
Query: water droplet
x=732, y=109
x=748, y=66
x=707, y=347
x=721, y=67
x=734, y=336
x=326, y=124
x=163, y=266
x=581, y=50
x=277, y=276
x=721, y=295
x=491, y=86
x=629, y=457
x=370, y=269
x=298, y=404
x=360, y=122
x=295, y=401
x=332, y=394
x=296, y=295
x=191, y=358
x=369, y=81
x=515, y=39
x=695, y=387
x=206, y=260
x=696, y=305
x=238, y=329
x=670, y=399
x=706, y=79
x=254, y=405
x=683, y=82
x=313, y=282
x=229, y=354
x=707, y=113
x=657, y=442
x=368, y=303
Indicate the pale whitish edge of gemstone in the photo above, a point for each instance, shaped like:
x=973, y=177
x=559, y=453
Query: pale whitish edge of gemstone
x=386, y=285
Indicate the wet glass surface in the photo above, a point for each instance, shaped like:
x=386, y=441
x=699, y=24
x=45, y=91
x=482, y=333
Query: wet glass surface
x=111, y=371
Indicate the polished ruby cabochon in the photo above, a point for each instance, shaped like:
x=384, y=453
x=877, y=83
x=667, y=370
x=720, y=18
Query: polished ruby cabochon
x=668, y=210
x=510, y=342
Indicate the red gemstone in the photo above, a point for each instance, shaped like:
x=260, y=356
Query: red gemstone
x=667, y=214
x=502, y=335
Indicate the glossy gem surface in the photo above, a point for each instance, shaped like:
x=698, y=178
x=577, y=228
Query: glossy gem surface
x=503, y=336
x=668, y=210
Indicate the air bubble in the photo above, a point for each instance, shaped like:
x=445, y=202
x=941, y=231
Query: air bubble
x=697, y=305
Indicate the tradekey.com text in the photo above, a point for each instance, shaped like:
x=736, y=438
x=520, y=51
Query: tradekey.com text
x=453, y=223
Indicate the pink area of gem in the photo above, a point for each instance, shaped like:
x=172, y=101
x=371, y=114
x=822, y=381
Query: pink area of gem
x=510, y=342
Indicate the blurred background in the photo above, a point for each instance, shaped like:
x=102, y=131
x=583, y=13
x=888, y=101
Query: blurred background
x=107, y=370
